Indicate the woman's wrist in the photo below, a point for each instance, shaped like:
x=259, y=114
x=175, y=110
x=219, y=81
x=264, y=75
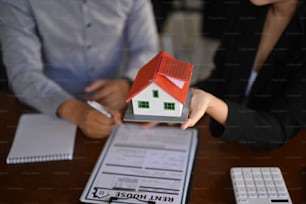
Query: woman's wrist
x=217, y=109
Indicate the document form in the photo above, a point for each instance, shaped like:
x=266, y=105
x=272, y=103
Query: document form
x=140, y=165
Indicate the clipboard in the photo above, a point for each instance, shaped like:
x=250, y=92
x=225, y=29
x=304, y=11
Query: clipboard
x=140, y=165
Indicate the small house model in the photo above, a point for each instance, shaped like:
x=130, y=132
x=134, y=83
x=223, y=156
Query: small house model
x=161, y=87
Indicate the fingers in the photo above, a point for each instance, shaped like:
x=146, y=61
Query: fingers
x=95, y=85
x=171, y=124
x=185, y=125
x=188, y=123
x=107, y=97
x=149, y=125
x=96, y=125
x=104, y=94
x=194, y=116
x=98, y=135
x=110, y=93
x=198, y=106
x=102, y=119
x=100, y=88
x=117, y=117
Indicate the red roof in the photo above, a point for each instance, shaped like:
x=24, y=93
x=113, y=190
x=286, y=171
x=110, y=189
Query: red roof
x=157, y=70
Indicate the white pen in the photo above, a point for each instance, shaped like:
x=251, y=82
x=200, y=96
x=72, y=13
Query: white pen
x=99, y=108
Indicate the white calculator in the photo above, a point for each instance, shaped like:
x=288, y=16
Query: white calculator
x=259, y=185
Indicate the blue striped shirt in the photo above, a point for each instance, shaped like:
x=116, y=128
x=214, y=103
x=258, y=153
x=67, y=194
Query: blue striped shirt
x=53, y=49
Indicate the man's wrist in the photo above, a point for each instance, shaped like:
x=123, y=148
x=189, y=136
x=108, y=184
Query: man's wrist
x=71, y=110
x=129, y=80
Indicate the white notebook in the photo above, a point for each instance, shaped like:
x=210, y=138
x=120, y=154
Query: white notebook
x=40, y=138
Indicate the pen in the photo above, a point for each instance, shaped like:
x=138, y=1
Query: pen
x=99, y=108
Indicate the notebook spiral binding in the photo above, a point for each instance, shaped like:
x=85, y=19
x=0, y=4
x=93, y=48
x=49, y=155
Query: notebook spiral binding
x=38, y=158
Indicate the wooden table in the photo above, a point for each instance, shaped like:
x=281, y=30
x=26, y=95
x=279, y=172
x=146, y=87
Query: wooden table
x=62, y=182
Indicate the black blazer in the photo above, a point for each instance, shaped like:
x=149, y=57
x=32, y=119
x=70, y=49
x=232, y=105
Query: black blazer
x=276, y=107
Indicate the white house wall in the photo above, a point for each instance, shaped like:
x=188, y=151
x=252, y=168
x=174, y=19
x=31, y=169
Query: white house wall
x=156, y=105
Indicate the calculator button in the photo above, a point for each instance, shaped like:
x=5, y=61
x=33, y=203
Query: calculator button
x=279, y=182
x=259, y=182
x=262, y=195
x=259, y=185
x=267, y=176
x=283, y=195
x=241, y=189
x=242, y=201
x=252, y=195
x=276, y=176
x=269, y=183
x=261, y=189
x=242, y=195
x=251, y=189
x=249, y=182
x=281, y=189
x=239, y=183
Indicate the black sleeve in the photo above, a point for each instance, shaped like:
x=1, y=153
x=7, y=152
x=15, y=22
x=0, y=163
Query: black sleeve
x=286, y=117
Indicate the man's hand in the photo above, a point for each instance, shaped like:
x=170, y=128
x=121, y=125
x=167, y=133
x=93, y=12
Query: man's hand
x=92, y=123
x=95, y=124
x=110, y=93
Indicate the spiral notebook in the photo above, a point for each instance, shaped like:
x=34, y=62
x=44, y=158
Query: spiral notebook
x=41, y=138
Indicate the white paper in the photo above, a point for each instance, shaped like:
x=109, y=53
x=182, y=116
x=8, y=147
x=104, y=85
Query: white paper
x=139, y=165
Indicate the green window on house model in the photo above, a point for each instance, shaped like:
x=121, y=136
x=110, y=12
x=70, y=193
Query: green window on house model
x=169, y=106
x=155, y=94
x=143, y=104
